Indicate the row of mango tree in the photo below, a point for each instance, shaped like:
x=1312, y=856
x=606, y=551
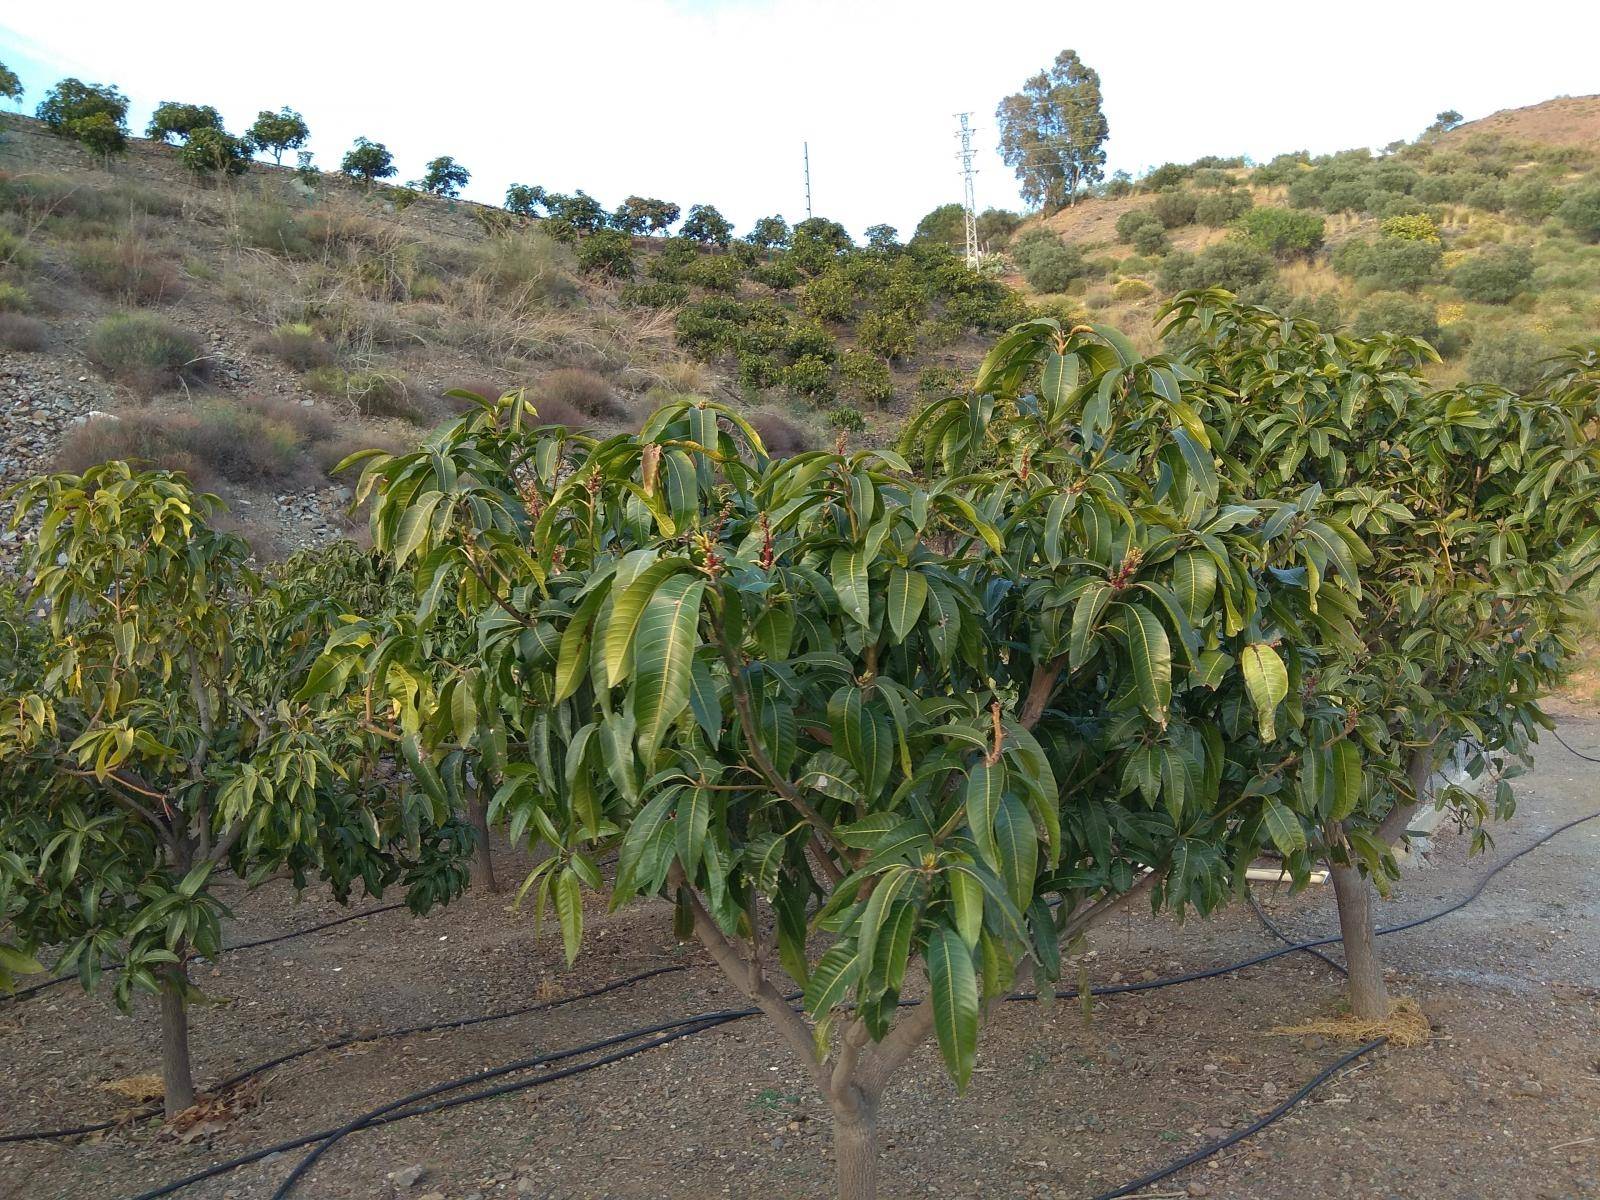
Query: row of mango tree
x=891, y=730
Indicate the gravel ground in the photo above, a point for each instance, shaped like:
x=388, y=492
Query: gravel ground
x=1504, y=1101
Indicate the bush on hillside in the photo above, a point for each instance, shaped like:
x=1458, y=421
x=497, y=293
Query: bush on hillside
x=782, y=437
x=298, y=345
x=13, y=298
x=371, y=393
x=1489, y=195
x=759, y=371
x=1130, y=223
x=146, y=352
x=780, y=273
x=1125, y=290
x=865, y=379
x=1349, y=196
x=20, y=333
x=1218, y=208
x=1283, y=232
x=1513, y=358
x=127, y=269
x=810, y=378
x=1390, y=264
x=215, y=152
x=1532, y=199
x=1396, y=312
x=938, y=381
x=1048, y=263
x=1580, y=211
x=608, y=252
x=654, y=294
x=1175, y=209
x=1494, y=276
x=829, y=297
x=1232, y=264
x=589, y=392
x=1412, y=227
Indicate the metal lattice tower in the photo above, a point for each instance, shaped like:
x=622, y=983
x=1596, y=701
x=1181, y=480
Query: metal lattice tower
x=969, y=201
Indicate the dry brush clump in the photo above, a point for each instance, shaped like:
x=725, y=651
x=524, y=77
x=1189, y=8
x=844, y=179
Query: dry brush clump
x=148, y=353
x=298, y=344
x=370, y=392
x=128, y=268
x=586, y=391
x=21, y=333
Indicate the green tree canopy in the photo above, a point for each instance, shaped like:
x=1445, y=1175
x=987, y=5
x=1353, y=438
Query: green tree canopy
x=277, y=132
x=172, y=119
x=1053, y=132
x=444, y=176
x=367, y=162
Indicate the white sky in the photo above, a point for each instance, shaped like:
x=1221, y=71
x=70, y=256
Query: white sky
x=708, y=101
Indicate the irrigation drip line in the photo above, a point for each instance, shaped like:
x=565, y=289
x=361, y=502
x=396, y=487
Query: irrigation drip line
x=1569, y=746
x=58, y=980
x=1239, y=1135
x=352, y=1039
x=688, y=1026
x=1276, y=931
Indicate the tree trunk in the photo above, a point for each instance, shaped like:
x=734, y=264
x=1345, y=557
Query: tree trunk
x=855, y=1150
x=1369, y=998
x=177, y=1077
x=482, y=854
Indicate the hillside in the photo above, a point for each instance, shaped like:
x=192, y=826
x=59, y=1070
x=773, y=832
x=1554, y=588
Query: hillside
x=1481, y=240
x=254, y=331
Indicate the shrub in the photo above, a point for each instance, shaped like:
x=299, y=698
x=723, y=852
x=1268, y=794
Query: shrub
x=1129, y=223
x=126, y=268
x=586, y=391
x=1396, y=312
x=782, y=437
x=277, y=132
x=1581, y=212
x=527, y=266
x=829, y=297
x=758, y=372
x=1494, y=276
x=174, y=120
x=1232, y=264
x=1512, y=358
x=1130, y=289
x=1412, y=227
x=810, y=378
x=1046, y=262
x=1348, y=196
x=1218, y=208
x=809, y=339
x=1151, y=240
x=995, y=227
x=1283, y=232
x=147, y=353
x=865, y=378
x=298, y=345
x=607, y=252
x=890, y=335
x=1175, y=209
x=372, y=393
x=13, y=298
x=780, y=273
x=1533, y=199
x=215, y=152
x=1391, y=264
x=1490, y=196
x=848, y=419
x=938, y=381
x=94, y=114
x=719, y=273
x=655, y=294
x=20, y=333
x=366, y=162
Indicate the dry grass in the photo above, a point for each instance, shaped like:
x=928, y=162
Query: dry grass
x=138, y=1089
x=297, y=344
x=371, y=393
x=1406, y=1026
x=585, y=391
x=127, y=268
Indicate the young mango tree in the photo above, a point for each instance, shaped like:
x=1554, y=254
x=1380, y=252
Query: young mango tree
x=1476, y=522
x=849, y=724
x=153, y=747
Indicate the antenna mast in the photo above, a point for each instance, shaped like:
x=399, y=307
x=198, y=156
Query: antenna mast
x=806, y=150
x=969, y=202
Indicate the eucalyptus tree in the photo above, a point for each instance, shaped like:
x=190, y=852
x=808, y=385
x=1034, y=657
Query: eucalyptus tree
x=849, y=723
x=153, y=745
x=1053, y=132
x=1476, y=515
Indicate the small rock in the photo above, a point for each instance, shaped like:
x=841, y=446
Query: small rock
x=1198, y=1189
x=432, y=1196
x=407, y=1177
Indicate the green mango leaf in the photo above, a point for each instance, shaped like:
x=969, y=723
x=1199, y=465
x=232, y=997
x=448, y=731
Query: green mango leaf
x=953, y=989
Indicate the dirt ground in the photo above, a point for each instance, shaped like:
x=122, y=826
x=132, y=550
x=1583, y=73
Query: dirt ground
x=1504, y=1100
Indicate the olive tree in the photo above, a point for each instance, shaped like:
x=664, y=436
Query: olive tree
x=155, y=744
x=1475, y=515
x=882, y=737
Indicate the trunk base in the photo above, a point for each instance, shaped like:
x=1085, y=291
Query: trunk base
x=1369, y=997
x=177, y=1075
x=855, y=1151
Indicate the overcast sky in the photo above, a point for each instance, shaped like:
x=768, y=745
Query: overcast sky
x=709, y=100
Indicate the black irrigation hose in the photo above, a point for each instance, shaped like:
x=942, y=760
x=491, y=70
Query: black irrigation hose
x=1272, y=927
x=58, y=980
x=671, y=1031
x=1586, y=757
x=1255, y=1127
x=353, y=1039
x=687, y=1026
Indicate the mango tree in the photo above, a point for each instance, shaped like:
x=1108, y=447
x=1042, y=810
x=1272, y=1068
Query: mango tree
x=153, y=746
x=1476, y=522
x=856, y=728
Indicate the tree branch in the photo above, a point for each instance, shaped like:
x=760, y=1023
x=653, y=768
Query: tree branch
x=898, y=1045
x=1040, y=689
x=1085, y=919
